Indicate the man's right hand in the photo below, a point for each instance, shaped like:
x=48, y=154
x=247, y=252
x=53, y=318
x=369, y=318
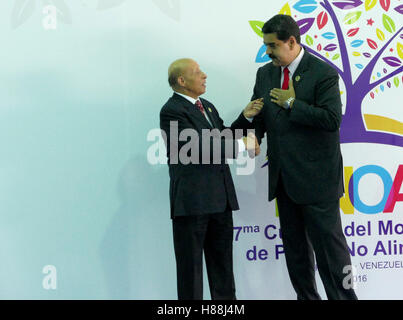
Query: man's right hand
x=253, y=108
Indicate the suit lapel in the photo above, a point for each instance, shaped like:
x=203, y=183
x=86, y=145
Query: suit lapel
x=210, y=114
x=194, y=113
x=273, y=80
x=276, y=77
x=298, y=76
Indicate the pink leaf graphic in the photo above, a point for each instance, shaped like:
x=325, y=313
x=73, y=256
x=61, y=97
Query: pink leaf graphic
x=305, y=25
x=372, y=95
x=352, y=32
x=347, y=4
x=372, y=44
x=319, y=47
x=392, y=61
x=330, y=47
x=22, y=11
x=385, y=4
x=322, y=19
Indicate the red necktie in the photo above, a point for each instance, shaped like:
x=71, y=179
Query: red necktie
x=286, y=79
x=200, y=106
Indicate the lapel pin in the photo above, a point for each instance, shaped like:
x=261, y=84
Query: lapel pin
x=209, y=109
x=297, y=78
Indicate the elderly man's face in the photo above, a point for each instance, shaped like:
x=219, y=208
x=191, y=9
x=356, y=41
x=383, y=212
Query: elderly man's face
x=194, y=80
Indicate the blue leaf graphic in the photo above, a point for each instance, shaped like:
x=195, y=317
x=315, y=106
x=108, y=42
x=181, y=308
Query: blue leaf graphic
x=357, y=43
x=329, y=35
x=262, y=56
x=305, y=6
x=359, y=66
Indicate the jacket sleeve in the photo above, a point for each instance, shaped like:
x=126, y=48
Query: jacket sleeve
x=257, y=124
x=325, y=113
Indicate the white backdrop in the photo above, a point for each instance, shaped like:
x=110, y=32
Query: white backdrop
x=80, y=97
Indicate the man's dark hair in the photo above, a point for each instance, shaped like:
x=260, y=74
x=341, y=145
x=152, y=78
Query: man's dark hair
x=284, y=26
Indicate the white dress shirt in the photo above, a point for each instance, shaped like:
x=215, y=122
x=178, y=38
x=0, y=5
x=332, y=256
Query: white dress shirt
x=293, y=65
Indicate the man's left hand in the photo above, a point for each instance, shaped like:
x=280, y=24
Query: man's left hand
x=280, y=96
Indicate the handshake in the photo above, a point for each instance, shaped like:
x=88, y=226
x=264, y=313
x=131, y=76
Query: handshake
x=252, y=109
x=251, y=145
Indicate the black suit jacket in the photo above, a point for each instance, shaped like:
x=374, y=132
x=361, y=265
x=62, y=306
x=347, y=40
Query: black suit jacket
x=303, y=142
x=198, y=188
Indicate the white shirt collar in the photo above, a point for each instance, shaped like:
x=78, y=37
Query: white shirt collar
x=294, y=64
x=192, y=100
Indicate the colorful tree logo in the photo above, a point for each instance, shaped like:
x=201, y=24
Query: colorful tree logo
x=337, y=32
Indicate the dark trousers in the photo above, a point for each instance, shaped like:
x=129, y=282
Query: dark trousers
x=213, y=235
x=309, y=229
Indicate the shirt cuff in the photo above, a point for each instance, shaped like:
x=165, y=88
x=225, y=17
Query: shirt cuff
x=241, y=146
x=249, y=119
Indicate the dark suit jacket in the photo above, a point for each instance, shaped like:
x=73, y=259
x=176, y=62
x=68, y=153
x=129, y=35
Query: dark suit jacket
x=303, y=142
x=198, y=188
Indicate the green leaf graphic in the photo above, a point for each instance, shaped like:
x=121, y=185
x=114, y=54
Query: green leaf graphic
x=396, y=81
x=257, y=27
x=309, y=40
x=369, y=4
x=388, y=23
x=352, y=17
x=336, y=56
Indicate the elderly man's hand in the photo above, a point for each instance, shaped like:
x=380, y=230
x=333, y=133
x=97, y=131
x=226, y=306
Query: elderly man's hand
x=253, y=108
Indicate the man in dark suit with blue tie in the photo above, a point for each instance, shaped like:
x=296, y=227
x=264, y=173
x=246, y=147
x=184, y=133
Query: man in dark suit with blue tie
x=301, y=119
x=202, y=193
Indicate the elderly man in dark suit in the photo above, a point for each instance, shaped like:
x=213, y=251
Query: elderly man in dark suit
x=202, y=193
x=301, y=118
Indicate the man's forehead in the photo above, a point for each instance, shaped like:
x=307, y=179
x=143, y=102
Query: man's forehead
x=192, y=66
x=270, y=38
x=182, y=65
